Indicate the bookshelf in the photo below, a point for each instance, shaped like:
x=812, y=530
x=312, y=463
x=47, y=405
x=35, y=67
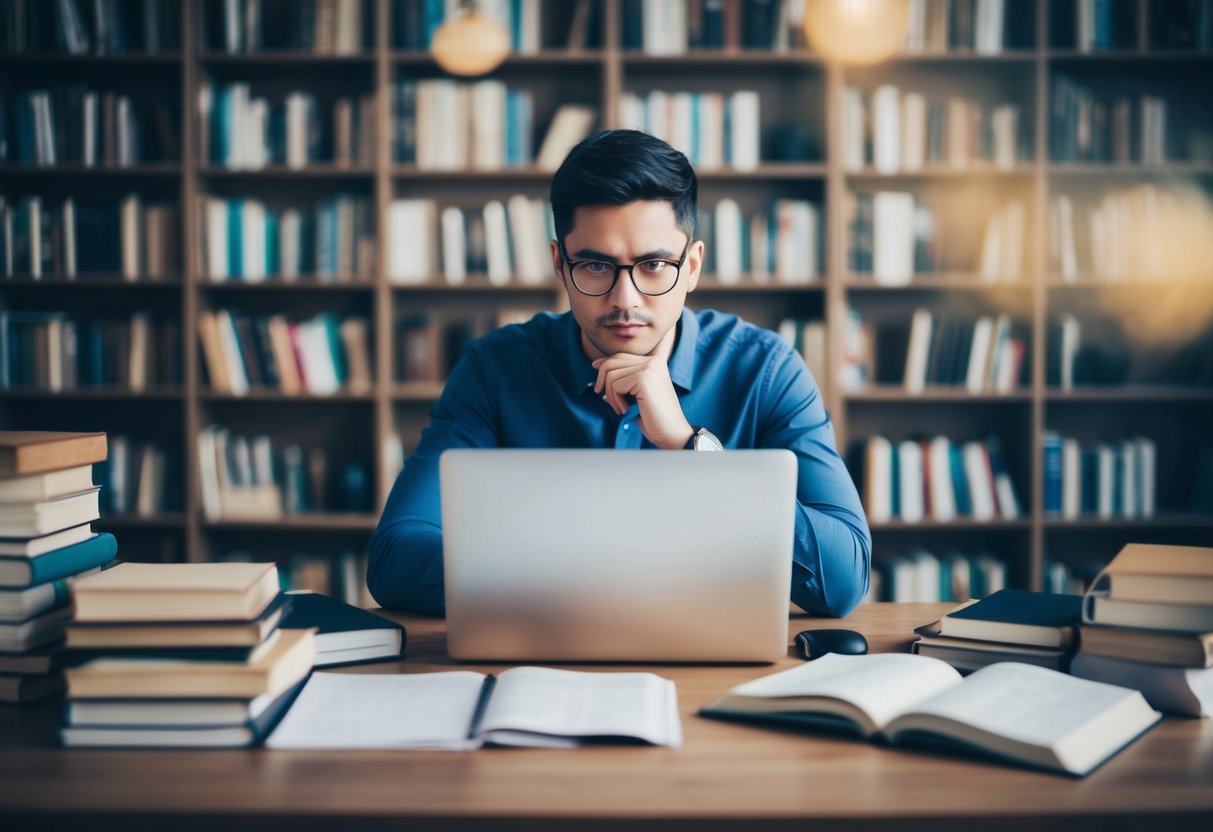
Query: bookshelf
x=803, y=99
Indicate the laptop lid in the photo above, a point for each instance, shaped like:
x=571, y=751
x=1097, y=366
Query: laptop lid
x=608, y=555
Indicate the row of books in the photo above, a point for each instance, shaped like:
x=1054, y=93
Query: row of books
x=936, y=479
x=671, y=27
x=986, y=354
x=714, y=129
x=253, y=241
x=340, y=575
x=414, y=22
x=75, y=125
x=323, y=27
x=67, y=237
x=139, y=478
x=1185, y=25
x=1113, y=478
x=428, y=346
x=1129, y=234
x=47, y=503
x=506, y=242
x=921, y=575
x=1101, y=25
x=1085, y=126
x=783, y=244
x=1147, y=623
x=248, y=478
x=97, y=27
x=987, y=27
x=898, y=131
x=55, y=351
x=319, y=356
x=244, y=131
x=443, y=124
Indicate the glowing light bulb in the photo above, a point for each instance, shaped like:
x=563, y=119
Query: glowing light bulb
x=472, y=45
x=856, y=31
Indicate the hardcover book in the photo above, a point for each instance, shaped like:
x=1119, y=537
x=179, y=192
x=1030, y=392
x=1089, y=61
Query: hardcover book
x=177, y=592
x=344, y=633
x=24, y=452
x=21, y=571
x=1017, y=616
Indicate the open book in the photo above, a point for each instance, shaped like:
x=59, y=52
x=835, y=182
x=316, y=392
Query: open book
x=461, y=710
x=1018, y=712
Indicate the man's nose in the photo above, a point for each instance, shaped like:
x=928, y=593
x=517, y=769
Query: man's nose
x=624, y=293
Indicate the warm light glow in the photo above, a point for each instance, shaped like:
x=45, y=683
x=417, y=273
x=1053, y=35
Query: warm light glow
x=856, y=31
x=472, y=45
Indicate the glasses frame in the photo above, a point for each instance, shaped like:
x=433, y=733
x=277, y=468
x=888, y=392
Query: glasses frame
x=619, y=267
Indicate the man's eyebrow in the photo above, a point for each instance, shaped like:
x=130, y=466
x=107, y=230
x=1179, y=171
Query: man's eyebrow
x=592, y=254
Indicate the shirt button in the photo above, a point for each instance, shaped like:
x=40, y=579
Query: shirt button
x=625, y=427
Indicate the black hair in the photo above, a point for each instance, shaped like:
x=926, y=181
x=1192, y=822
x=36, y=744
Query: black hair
x=617, y=167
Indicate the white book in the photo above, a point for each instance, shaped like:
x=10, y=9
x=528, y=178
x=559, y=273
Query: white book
x=460, y=710
x=35, y=487
x=132, y=237
x=151, y=482
x=411, y=256
x=1071, y=479
x=1008, y=504
x=728, y=241
x=918, y=351
x=263, y=460
x=745, y=143
x=1071, y=331
x=632, y=112
x=975, y=375
x=91, y=122
x=1000, y=360
x=208, y=474
x=454, y=245
x=760, y=248
x=1005, y=123
x=316, y=354
x=1147, y=452
x=854, y=122
x=1016, y=712
x=531, y=27
x=138, y=353
x=926, y=576
x=1106, y=465
x=913, y=131
x=1013, y=222
x=488, y=125
x=296, y=130
x=943, y=490
x=216, y=238
x=878, y=487
x=290, y=244
x=711, y=131
x=571, y=124
x=238, y=381
x=657, y=112
x=682, y=125
x=69, y=237
x=910, y=481
x=253, y=260
x=886, y=129
x=1066, y=249
x=980, y=479
x=989, y=27
x=528, y=258
x=1179, y=690
x=497, y=243
x=893, y=238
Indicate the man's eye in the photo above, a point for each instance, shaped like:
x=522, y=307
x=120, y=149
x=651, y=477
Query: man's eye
x=594, y=267
x=654, y=266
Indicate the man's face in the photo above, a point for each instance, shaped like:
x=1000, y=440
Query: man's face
x=624, y=320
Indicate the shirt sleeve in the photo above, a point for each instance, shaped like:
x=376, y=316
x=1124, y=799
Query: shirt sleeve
x=832, y=548
x=404, y=569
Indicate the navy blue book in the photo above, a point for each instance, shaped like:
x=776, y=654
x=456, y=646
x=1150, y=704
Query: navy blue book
x=60, y=563
x=1017, y=616
x=345, y=634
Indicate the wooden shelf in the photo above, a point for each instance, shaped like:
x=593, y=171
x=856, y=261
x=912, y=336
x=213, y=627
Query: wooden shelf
x=1132, y=393
x=731, y=58
x=709, y=283
x=262, y=396
x=1128, y=169
x=545, y=58
x=135, y=521
x=416, y=391
x=316, y=522
x=293, y=58
x=316, y=170
x=1158, y=521
x=942, y=171
x=99, y=394
x=935, y=394
x=91, y=281
x=476, y=284
x=959, y=525
x=136, y=59
x=305, y=283
x=938, y=282
x=146, y=170
x=1128, y=55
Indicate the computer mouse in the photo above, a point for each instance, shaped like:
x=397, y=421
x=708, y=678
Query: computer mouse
x=816, y=643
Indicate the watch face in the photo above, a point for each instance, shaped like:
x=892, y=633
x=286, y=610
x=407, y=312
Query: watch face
x=705, y=440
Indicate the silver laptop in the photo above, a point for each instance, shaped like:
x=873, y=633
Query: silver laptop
x=608, y=555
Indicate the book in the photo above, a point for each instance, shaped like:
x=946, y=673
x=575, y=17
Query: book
x=20, y=571
x=18, y=690
x=967, y=655
x=287, y=660
x=344, y=633
x=25, y=452
x=35, y=519
x=1150, y=646
x=461, y=710
x=1154, y=573
x=39, y=631
x=1011, y=711
x=133, y=635
x=1181, y=690
x=249, y=726
x=1017, y=616
x=46, y=486
x=26, y=602
x=177, y=592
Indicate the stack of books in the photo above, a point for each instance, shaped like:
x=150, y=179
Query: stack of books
x=1148, y=624
x=1012, y=625
x=47, y=501
x=181, y=655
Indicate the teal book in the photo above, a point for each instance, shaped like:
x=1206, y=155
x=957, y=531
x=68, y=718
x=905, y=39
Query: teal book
x=345, y=634
x=1017, y=616
x=61, y=563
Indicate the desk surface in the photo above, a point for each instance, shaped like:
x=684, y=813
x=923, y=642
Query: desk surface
x=726, y=776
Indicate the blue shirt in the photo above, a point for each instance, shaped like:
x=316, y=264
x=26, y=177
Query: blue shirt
x=532, y=386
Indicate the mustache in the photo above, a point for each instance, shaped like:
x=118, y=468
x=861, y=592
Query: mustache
x=623, y=316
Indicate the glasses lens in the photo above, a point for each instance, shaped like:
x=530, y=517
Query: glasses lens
x=655, y=277
x=593, y=277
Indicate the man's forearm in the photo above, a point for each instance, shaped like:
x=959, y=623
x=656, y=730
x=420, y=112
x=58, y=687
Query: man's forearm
x=404, y=569
x=831, y=562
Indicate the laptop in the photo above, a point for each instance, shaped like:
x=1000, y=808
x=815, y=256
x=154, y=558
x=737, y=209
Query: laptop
x=620, y=556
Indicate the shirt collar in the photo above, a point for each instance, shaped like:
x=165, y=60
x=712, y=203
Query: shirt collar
x=682, y=361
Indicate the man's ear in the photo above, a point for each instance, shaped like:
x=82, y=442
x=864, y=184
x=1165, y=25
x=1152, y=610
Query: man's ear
x=694, y=264
x=557, y=262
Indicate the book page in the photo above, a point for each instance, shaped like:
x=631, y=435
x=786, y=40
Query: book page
x=568, y=703
x=1035, y=714
x=373, y=710
x=882, y=685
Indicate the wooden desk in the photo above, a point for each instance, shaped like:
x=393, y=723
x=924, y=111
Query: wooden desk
x=726, y=776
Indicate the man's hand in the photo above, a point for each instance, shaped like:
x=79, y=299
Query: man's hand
x=646, y=379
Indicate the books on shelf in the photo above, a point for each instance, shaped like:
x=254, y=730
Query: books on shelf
x=80, y=28
x=462, y=710
x=672, y=27
x=783, y=244
x=891, y=236
x=345, y=634
x=1085, y=126
x=322, y=27
x=414, y=22
x=1113, y=478
x=139, y=479
x=1014, y=712
x=920, y=575
x=715, y=130
x=985, y=27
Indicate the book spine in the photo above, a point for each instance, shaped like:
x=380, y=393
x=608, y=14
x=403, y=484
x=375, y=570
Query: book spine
x=482, y=704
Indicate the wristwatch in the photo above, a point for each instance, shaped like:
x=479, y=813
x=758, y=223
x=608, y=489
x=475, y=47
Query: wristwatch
x=703, y=440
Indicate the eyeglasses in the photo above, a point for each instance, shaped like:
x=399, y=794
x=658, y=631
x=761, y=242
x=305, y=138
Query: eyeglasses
x=650, y=277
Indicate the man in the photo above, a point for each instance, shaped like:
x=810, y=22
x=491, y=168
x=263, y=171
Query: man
x=630, y=367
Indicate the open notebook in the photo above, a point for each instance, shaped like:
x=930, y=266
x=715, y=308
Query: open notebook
x=1022, y=713
x=461, y=710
